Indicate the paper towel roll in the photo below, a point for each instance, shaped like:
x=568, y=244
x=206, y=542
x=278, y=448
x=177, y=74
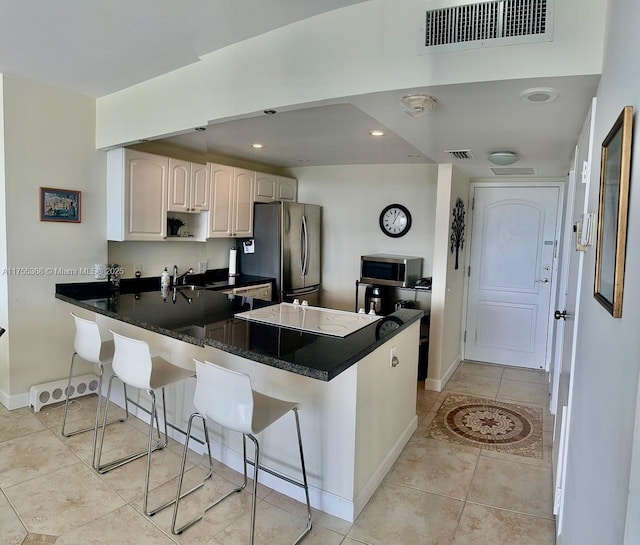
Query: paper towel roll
x=233, y=262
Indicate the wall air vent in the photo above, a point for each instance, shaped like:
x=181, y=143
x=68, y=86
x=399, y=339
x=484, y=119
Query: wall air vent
x=513, y=171
x=486, y=24
x=461, y=154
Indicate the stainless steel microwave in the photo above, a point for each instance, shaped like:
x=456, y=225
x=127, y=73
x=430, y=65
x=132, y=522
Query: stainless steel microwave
x=390, y=270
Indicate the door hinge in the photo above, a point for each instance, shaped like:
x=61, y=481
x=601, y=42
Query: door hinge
x=465, y=336
x=469, y=271
x=473, y=203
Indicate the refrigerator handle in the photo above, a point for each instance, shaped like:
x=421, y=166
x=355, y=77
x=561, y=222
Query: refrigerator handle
x=305, y=246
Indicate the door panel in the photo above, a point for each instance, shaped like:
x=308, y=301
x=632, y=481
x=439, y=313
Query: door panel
x=565, y=330
x=506, y=325
x=509, y=283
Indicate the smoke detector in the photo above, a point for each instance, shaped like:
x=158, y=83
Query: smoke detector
x=418, y=104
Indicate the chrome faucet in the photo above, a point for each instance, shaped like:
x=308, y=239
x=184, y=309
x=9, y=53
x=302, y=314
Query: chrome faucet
x=177, y=277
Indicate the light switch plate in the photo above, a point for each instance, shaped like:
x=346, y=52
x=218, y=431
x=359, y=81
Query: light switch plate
x=203, y=266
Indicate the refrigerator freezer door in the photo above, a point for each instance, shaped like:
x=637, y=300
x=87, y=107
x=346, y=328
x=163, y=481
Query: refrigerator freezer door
x=292, y=246
x=312, y=222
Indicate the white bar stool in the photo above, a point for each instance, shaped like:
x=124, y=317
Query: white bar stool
x=88, y=344
x=134, y=366
x=226, y=397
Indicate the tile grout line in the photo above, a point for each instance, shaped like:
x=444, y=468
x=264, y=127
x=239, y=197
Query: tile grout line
x=522, y=513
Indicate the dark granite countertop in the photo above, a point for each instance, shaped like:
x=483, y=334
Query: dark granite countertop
x=206, y=317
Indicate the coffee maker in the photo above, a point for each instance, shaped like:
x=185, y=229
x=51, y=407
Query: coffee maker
x=378, y=299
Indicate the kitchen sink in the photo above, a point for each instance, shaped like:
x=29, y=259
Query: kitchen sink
x=190, y=287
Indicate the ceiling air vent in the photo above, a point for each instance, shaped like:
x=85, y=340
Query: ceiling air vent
x=513, y=171
x=461, y=154
x=486, y=24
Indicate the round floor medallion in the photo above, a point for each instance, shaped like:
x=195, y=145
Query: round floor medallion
x=488, y=424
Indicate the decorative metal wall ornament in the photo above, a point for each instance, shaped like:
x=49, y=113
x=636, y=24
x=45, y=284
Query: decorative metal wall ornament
x=457, y=228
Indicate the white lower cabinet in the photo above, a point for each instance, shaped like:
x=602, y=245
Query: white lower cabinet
x=233, y=331
x=261, y=291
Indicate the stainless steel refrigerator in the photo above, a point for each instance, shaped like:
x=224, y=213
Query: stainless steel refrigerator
x=286, y=246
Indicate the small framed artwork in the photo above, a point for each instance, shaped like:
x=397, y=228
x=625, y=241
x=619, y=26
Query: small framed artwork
x=613, y=207
x=59, y=205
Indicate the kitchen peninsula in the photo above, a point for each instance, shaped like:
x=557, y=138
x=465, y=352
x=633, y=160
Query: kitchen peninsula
x=358, y=392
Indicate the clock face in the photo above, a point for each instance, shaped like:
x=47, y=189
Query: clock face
x=395, y=220
x=387, y=325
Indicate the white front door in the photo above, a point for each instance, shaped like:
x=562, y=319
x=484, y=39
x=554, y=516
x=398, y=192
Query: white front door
x=513, y=241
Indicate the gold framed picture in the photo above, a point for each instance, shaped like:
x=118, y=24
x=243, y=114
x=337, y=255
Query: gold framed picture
x=613, y=206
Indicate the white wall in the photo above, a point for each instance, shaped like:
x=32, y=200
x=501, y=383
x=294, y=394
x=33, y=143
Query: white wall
x=368, y=47
x=49, y=143
x=155, y=256
x=4, y=303
x=352, y=198
x=608, y=352
x=448, y=282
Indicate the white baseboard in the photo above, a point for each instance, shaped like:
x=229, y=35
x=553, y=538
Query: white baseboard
x=438, y=385
x=378, y=476
x=14, y=402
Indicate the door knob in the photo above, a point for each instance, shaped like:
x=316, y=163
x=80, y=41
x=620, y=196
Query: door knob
x=558, y=315
x=543, y=280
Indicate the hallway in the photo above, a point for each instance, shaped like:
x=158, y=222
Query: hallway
x=438, y=493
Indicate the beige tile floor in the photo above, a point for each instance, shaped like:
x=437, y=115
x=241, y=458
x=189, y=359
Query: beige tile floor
x=436, y=494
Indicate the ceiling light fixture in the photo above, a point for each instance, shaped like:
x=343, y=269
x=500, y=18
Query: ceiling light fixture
x=376, y=132
x=418, y=104
x=200, y=129
x=503, y=158
x=257, y=146
x=539, y=95
x=269, y=112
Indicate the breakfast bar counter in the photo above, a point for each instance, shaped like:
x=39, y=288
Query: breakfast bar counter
x=357, y=392
x=202, y=316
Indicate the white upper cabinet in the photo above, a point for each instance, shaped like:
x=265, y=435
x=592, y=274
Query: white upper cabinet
x=287, y=189
x=265, y=187
x=189, y=187
x=269, y=188
x=232, y=197
x=136, y=195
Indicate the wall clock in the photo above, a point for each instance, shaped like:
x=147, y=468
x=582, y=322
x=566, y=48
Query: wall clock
x=386, y=325
x=395, y=220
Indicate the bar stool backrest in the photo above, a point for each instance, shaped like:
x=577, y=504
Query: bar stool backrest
x=224, y=396
x=87, y=341
x=132, y=361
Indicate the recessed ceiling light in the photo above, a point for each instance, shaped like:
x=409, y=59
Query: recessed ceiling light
x=270, y=112
x=200, y=129
x=257, y=146
x=414, y=156
x=376, y=132
x=539, y=95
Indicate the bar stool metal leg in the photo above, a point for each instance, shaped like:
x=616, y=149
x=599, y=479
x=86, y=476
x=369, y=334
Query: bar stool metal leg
x=96, y=425
x=104, y=468
x=304, y=480
x=180, y=494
